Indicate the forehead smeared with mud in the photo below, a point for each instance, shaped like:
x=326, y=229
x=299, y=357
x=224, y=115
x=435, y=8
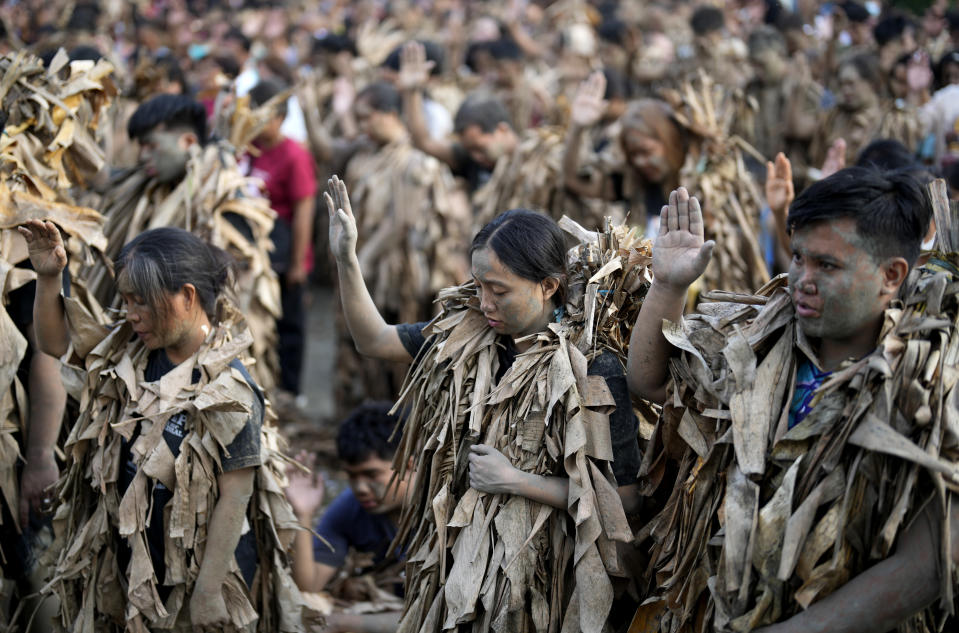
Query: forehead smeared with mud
x=890, y=209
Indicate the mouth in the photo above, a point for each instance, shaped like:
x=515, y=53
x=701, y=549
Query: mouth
x=805, y=310
x=368, y=504
x=493, y=323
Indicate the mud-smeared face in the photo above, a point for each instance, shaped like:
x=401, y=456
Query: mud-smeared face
x=164, y=154
x=511, y=304
x=836, y=285
x=370, y=481
x=647, y=155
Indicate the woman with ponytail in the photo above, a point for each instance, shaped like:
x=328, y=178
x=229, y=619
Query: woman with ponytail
x=169, y=448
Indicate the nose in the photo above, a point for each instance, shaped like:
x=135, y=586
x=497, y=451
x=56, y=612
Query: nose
x=486, y=306
x=133, y=316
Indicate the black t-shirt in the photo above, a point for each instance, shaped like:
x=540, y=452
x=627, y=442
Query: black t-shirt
x=242, y=452
x=623, y=425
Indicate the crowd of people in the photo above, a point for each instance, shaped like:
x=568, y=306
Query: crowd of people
x=647, y=315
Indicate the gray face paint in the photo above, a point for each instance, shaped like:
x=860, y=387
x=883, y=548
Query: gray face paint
x=836, y=284
x=162, y=155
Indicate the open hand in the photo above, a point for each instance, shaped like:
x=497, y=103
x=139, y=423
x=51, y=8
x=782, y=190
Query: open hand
x=342, y=223
x=588, y=104
x=305, y=490
x=680, y=254
x=414, y=67
x=47, y=253
x=835, y=158
x=491, y=471
x=779, y=186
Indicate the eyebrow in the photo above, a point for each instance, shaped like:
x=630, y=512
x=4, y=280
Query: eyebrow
x=491, y=282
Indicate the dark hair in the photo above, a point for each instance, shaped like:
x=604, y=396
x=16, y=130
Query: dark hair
x=530, y=244
x=891, y=28
x=506, y=48
x=765, y=38
x=483, y=111
x=266, y=90
x=706, y=20
x=788, y=21
x=163, y=260
x=855, y=12
x=866, y=65
x=228, y=65
x=617, y=86
x=952, y=57
x=84, y=17
x=382, y=97
x=333, y=43
x=473, y=53
x=366, y=432
x=238, y=36
x=952, y=18
x=891, y=209
x=85, y=52
x=951, y=173
x=434, y=53
x=886, y=153
x=613, y=30
x=172, y=111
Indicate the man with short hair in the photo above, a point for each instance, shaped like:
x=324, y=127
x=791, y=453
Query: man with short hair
x=815, y=456
x=363, y=517
x=179, y=181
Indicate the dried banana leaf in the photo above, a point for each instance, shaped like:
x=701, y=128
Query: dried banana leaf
x=480, y=561
x=768, y=520
x=95, y=519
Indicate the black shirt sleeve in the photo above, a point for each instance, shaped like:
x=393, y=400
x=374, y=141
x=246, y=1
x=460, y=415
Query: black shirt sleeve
x=411, y=336
x=244, y=450
x=623, y=425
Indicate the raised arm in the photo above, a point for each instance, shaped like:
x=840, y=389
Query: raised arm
x=371, y=334
x=587, y=110
x=49, y=258
x=680, y=256
x=414, y=73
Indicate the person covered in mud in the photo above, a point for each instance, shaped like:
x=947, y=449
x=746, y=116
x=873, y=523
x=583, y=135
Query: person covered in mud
x=362, y=518
x=166, y=455
x=519, y=271
x=653, y=148
x=857, y=113
x=815, y=346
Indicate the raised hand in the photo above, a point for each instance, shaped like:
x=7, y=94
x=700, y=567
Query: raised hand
x=835, y=158
x=779, y=186
x=342, y=223
x=305, y=491
x=588, y=104
x=680, y=254
x=414, y=67
x=47, y=253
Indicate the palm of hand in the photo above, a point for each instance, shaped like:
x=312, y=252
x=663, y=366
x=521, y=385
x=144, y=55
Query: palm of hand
x=342, y=236
x=587, y=110
x=303, y=493
x=675, y=258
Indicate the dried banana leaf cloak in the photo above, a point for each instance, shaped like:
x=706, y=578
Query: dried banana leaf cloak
x=716, y=173
x=505, y=563
x=94, y=517
x=414, y=223
x=212, y=191
x=532, y=178
x=763, y=520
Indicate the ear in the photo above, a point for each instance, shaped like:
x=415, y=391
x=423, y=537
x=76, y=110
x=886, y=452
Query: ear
x=190, y=296
x=894, y=272
x=188, y=140
x=549, y=285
